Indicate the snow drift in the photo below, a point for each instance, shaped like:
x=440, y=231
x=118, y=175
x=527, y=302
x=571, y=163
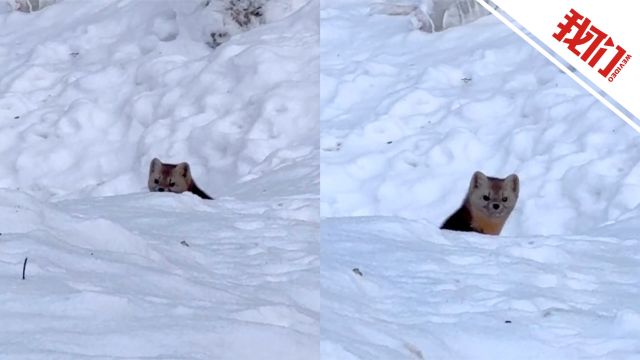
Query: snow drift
x=99, y=89
x=90, y=92
x=407, y=117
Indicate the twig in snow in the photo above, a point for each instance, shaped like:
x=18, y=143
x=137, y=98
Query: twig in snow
x=24, y=267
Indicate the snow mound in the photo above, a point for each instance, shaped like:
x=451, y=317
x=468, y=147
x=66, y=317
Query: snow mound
x=408, y=117
x=147, y=275
x=91, y=92
x=422, y=293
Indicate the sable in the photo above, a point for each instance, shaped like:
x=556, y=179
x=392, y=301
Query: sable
x=174, y=178
x=487, y=205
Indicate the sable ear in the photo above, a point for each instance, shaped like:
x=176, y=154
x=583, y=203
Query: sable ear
x=514, y=182
x=479, y=179
x=183, y=169
x=155, y=164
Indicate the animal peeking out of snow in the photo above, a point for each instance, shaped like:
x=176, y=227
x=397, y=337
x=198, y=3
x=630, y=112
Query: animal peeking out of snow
x=487, y=206
x=174, y=178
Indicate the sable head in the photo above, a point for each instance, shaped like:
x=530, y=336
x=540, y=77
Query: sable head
x=169, y=177
x=495, y=197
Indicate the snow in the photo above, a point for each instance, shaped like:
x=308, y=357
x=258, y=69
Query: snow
x=437, y=107
x=451, y=295
x=407, y=117
x=90, y=92
x=149, y=275
x=77, y=72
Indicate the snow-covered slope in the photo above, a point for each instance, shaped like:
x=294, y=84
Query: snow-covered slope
x=126, y=81
x=90, y=92
x=407, y=117
x=427, y=294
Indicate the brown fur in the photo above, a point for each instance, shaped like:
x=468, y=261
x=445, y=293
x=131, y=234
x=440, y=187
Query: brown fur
x=487, y=205
x=174, y=178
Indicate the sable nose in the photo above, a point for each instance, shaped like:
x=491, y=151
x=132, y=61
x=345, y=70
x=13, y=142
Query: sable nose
x=161, y=189
x=496, y=206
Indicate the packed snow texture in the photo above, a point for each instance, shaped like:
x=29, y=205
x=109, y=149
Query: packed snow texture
x=420, y=293
x=159, y=276
x=90, y=92
x=407, y=117
x=98, y=89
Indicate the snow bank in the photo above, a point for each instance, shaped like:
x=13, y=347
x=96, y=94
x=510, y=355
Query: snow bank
x=420, y=293
x=157, y=275
x=91, y=92
x=408, y=117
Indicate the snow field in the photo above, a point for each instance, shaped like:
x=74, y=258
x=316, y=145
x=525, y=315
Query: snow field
x=90, y=92
x=408, y=117
x=129, y=81
x=159, y=276
x=429, y=294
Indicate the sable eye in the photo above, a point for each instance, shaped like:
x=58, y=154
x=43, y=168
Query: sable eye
x=485, y=198
x=156, y=181
x=504, y=199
